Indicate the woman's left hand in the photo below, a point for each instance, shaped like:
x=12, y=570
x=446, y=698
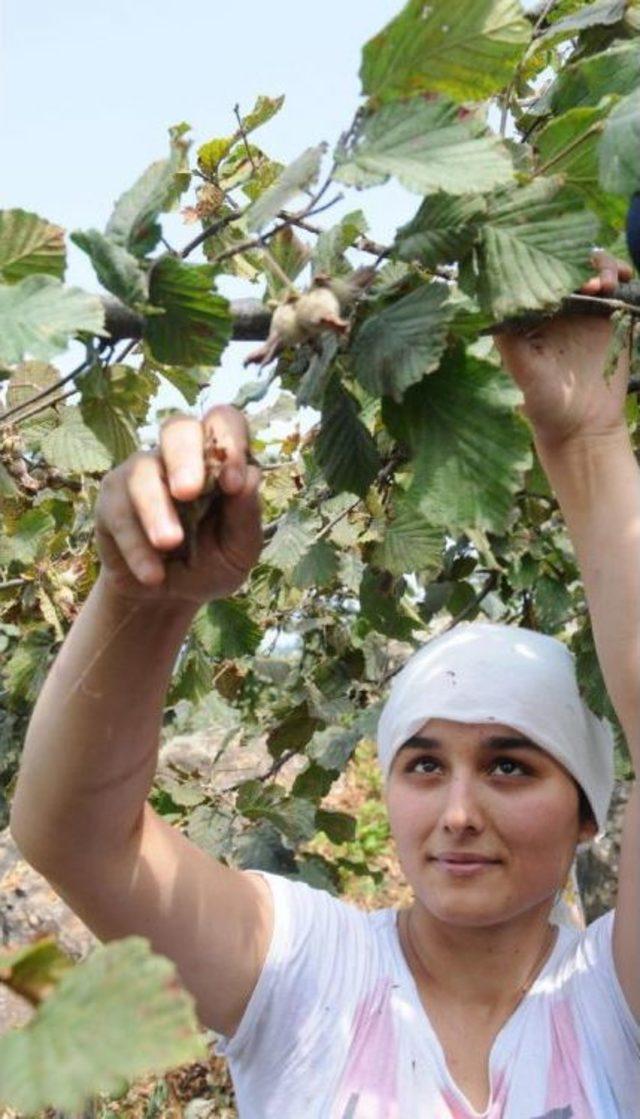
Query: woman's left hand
x=560, y=368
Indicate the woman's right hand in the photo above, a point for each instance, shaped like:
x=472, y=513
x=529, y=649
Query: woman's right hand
x=137, y=525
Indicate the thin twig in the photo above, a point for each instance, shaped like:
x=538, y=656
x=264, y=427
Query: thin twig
x=507, y=97
x=210, y=231
x=45, y=392
x=327, y=528
x=236, y=109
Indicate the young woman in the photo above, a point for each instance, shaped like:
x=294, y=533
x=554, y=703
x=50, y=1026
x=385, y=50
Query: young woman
x=474, y=1001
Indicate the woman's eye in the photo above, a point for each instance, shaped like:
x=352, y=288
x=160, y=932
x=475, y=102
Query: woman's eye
x=510, y=763
x=413, y=766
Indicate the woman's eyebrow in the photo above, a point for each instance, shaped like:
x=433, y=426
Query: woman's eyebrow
x=495, y=742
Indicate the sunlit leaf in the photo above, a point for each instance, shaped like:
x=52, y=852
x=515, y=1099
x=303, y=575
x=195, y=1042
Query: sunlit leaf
x=442, y=230
x=29, y=244
x=116, y=1016
x=196, y=324
x=117, y=270
x=535, y=248
x=427, y=147
x=397, y=346
x=467, y=49
x=38, y=316
x=298, y=175
x=73, y=448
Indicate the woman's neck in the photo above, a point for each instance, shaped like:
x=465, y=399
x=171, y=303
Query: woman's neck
x=489, y=968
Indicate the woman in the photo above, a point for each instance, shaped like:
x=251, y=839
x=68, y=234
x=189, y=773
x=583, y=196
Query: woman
x=475, y=1000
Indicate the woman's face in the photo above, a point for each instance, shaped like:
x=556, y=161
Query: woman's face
x=464, y=793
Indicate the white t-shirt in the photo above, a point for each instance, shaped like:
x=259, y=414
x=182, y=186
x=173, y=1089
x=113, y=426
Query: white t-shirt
x=335, y=1028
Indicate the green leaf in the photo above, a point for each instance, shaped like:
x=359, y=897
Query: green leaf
x=344, y=449
x=264, y=109
x=619, y=150
x=570, y=142
x=116, y=1016
x=117, y=270
x=536, y=248
x=585, y=83
x=332, y=243
x=380, y=604
x=331, y=748
x=25, y=673
x=443, y=229
x=410, y=543
x=38, y=316
x=30, y=378
x=317, y=568
x=293, y=816
x=133, y=222
x=29, y=244
x=397, y=346
x=30, y=540
x=298, y=175
x=603, y=12
x=210, y=154
x=196, y=325
x=73, y=448
x=226, y=629
x=294, y=536
x=112, y=428
x=467, y=49
x=428, y=148
x=339, y=827
x=293, y=732
x=470, y=447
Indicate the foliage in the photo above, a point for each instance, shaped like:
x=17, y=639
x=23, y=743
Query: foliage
x=416, y=498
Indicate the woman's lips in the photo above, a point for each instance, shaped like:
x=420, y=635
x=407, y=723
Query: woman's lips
x=464, y=867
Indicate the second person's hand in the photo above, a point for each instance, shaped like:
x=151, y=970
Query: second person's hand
x=137, y=524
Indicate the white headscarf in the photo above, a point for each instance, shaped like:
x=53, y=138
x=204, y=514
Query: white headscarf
x=485, y=672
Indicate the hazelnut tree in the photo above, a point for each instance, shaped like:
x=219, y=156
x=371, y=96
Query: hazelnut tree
x=415, y=499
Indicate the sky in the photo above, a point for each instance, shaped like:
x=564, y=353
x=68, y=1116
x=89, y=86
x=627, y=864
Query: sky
x=89, y=90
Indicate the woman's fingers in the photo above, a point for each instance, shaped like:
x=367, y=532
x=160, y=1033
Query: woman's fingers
x=611, y=272
x=182, y=440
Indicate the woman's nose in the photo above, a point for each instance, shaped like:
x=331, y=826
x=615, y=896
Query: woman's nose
x=461, y=808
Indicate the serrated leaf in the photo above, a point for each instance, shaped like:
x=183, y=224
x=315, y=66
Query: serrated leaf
x=26, y=670
x=293, y=816
x=400, y=344
x=535, y=248
x=467, y=49
x=570, y=143
x=344, y=449
x=29, y=540
x=29, y=244
x=586, y=82
x=133, y=222
x=73, y=448
x=332, y=243
x=38, y=316
x=602, y=12
x=332, y=747
x=117, y=270
x=410, y=543
x=298, y=175
x=30, y=378
x=470, y=447
x=427, y=147
x=442, y=230
x=339, y=827
x=264, y=109
x=112, y=428
x=317, y=568
x=226, y=629
x=619, y=150
x=294, y=536
x=116, y=1016
x=196, y=325
x=380, y=604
